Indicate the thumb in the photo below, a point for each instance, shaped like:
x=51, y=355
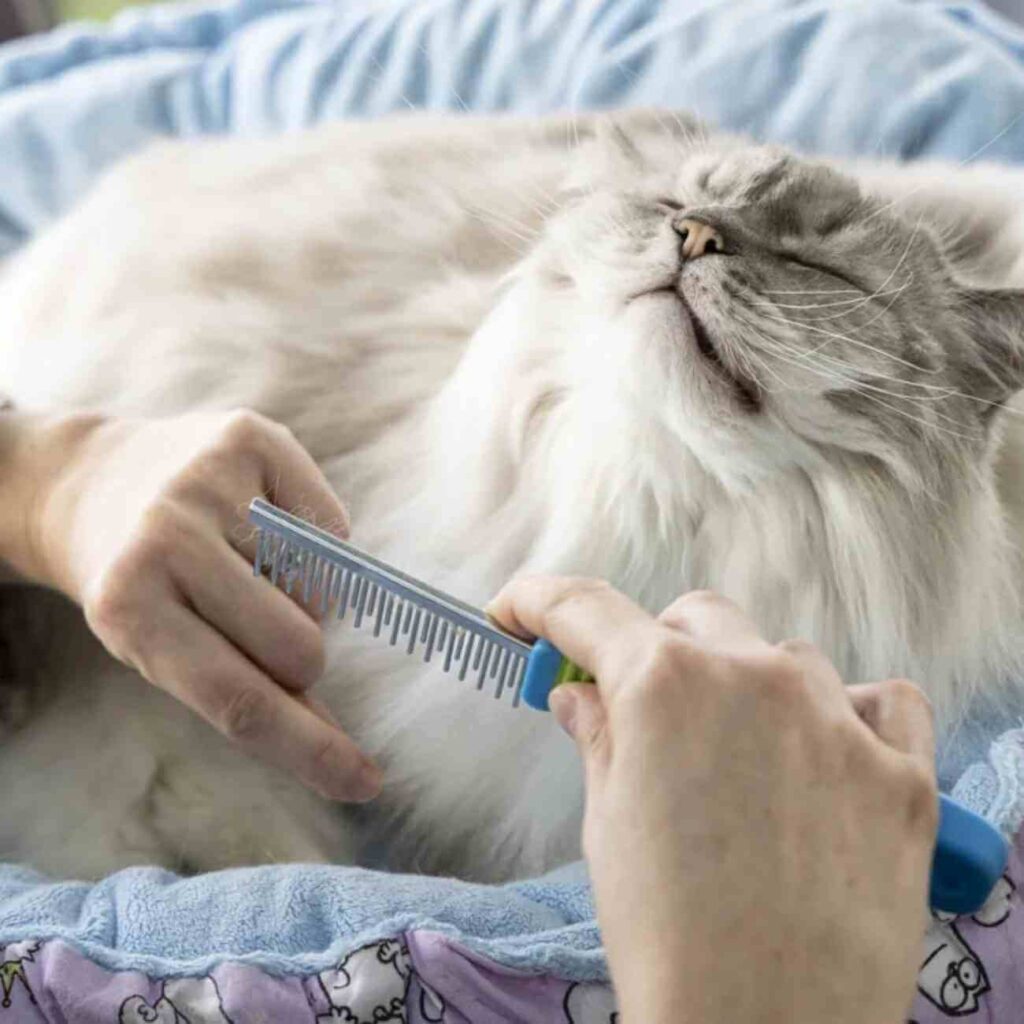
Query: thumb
x=580, y=712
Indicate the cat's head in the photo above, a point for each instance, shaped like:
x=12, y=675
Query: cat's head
x=765, y=309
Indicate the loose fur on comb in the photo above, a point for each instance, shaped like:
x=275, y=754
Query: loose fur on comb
x=484, y=333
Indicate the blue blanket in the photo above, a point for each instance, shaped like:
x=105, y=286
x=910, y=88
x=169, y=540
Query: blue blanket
x=855, y=77
x=842, y=77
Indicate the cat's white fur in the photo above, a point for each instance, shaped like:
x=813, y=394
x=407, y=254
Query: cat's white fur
x=332, y=282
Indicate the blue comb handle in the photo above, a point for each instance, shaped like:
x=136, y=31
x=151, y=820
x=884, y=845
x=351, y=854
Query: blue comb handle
x=970, y=853
x=970, y=856
x=542, y=669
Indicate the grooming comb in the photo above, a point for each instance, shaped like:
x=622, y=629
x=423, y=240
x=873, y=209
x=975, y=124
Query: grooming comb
x=970, y=854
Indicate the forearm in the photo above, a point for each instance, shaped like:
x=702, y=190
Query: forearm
x=35, y=449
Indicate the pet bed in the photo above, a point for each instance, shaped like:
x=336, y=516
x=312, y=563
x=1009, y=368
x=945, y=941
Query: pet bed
x=301, y=943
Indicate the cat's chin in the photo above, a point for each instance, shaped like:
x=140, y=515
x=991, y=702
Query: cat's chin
x=663, y=319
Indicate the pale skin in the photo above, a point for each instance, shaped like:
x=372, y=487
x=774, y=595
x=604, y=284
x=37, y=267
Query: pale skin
x=758, y=836
x=142, y=523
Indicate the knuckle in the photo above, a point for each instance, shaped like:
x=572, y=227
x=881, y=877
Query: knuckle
x=909, y=694
x=322, y=761
x=574, y=591
x=245, y=715
x=111, y=612
x=858, y=757
x=310, y=659
x=691, y=600
x=922, y=798
x=161, y=533
x=114, y=604
x=797, y=648
x=661, y=669
x=243, y=429
x=702, y=597
x=777, y=676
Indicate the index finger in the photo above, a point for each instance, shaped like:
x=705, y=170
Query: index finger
x=590, y=622
x=899, y=714
x=287, y=476
x=298, y=485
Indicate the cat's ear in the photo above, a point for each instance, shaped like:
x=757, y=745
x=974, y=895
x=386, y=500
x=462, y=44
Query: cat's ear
x=995, y=322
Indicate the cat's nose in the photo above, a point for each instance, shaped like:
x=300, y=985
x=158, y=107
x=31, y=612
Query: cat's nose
x=699, y=239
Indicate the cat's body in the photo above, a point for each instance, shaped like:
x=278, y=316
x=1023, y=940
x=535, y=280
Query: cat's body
x=333, y=282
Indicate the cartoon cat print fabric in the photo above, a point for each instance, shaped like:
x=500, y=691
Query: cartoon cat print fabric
x=953, y=976
x=369, y=985
x=970, y=968
x=182, y=1001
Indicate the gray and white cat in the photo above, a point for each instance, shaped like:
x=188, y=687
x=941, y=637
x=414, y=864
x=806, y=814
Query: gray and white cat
x=611, y=345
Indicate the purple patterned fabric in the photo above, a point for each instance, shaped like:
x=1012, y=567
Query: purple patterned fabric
x=416, y=978
x=971, y=967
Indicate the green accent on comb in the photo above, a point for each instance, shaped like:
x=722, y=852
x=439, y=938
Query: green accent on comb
x=570, y=672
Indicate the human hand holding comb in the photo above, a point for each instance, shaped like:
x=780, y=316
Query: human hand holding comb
x=142, y=522
x=758, y=836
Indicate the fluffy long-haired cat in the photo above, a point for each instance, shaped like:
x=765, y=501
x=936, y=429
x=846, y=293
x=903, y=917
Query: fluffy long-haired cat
x=616, y=346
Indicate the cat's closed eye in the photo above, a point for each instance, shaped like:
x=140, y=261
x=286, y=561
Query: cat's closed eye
x=804, y=263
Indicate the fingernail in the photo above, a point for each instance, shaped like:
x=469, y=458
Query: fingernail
x=515, y=629
x=368, y=783
x=563, y=706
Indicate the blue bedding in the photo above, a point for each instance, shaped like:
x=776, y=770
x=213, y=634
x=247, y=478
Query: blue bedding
x=853, y=77
x=857, y=77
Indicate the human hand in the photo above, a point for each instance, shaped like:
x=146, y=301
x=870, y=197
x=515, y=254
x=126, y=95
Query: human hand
x=143, y=523
x=759, y=837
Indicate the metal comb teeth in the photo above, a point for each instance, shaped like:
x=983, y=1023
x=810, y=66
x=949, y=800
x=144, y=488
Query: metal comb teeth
x=445, y=631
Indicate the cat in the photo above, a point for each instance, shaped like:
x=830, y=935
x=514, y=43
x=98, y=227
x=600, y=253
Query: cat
x=619, y=345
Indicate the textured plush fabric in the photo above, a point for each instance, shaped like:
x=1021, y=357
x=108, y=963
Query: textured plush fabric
x=422, y=975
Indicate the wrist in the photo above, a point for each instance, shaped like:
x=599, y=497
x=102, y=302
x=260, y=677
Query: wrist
x=38, y=453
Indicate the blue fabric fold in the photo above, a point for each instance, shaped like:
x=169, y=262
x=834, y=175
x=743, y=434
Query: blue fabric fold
x=300, y=919
x=861, y=77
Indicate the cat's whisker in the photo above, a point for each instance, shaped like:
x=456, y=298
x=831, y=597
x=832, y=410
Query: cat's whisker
x=830, y=305
x=856, y=384
x=857, y=342
x=963, y=163
x=892, y=273
x=503, y=231
x=813, y=358
x=813, y=291
x=524, y=229
x=917, y=419
x=859, y=327
x=942, y=393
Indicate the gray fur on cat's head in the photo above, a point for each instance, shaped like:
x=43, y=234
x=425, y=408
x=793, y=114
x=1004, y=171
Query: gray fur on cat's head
x=825, y=323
